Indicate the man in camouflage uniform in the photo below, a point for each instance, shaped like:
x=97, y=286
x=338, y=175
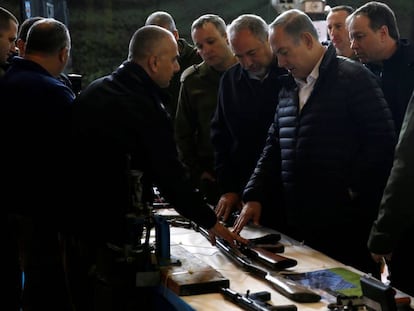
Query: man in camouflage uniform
x=198, y=100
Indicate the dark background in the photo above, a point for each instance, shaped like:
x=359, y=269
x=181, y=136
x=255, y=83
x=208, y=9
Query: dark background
x=101, y=29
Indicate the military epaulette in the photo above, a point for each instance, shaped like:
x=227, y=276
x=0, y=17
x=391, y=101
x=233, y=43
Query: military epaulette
x=189, y=71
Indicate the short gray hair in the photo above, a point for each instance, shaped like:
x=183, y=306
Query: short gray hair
x=145, y=41
x=162, y=19
x=254, y=23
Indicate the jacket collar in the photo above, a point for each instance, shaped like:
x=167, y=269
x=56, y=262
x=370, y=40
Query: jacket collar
x=131, y=74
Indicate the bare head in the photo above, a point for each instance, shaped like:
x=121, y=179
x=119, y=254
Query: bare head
x=164, y=20
x=210, y=38
x=373, y=32
x=216, y=20
x=338, y=33
x=48, y=43
x=22, y=35
x=294, y=41
x=248, y=37
x=155, y=49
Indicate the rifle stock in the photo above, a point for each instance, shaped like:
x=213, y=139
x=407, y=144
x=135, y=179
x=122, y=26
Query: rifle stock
x=288, y=288
x=274, y=261
x=270, y=238
x=274, y=248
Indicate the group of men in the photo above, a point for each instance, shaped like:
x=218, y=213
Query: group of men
x=269, y=122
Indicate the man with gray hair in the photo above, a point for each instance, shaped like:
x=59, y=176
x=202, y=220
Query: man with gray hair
x=187, y=56
x=247, y=101
x=329, y=149
x=122, y=129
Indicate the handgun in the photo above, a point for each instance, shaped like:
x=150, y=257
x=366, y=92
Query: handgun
x=254, y=302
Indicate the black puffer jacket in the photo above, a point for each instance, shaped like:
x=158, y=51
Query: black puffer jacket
x=342, y=142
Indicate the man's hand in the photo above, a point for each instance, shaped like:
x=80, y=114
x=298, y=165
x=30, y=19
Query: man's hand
x=228, y=202
x=220, y=230
x=251, y=210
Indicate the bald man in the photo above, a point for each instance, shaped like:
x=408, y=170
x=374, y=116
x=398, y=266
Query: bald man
x=122, y=129
x=187, y=56
x=36, y=118
x=22, y=35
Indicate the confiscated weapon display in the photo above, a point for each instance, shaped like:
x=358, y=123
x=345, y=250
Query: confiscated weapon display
x=288, y=288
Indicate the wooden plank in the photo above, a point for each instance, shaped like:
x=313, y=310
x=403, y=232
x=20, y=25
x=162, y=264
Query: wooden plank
x=193, y=276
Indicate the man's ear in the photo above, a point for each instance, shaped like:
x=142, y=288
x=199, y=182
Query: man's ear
x=152, y=63
x=384, y=32
x=307, y=39
x=227, y=40
x=20, y=45
x=176, y=34
x=64, y=55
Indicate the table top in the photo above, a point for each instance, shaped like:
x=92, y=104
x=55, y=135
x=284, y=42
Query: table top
x=240, y=281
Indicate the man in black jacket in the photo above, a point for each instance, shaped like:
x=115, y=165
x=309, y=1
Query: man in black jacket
x=376, y=41
x=329, y=149
x=122, y=131
x=247, y=101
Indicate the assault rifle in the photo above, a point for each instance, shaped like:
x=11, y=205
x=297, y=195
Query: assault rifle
x=288, y=288
x=273, y=261
x=269, y=242
x=255, y=301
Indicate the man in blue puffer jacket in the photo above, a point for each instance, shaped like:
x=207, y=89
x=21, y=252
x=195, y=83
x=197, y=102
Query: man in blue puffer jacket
x=330, y=146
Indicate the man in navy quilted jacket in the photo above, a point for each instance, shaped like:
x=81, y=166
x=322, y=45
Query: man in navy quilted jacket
x=329, y=149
